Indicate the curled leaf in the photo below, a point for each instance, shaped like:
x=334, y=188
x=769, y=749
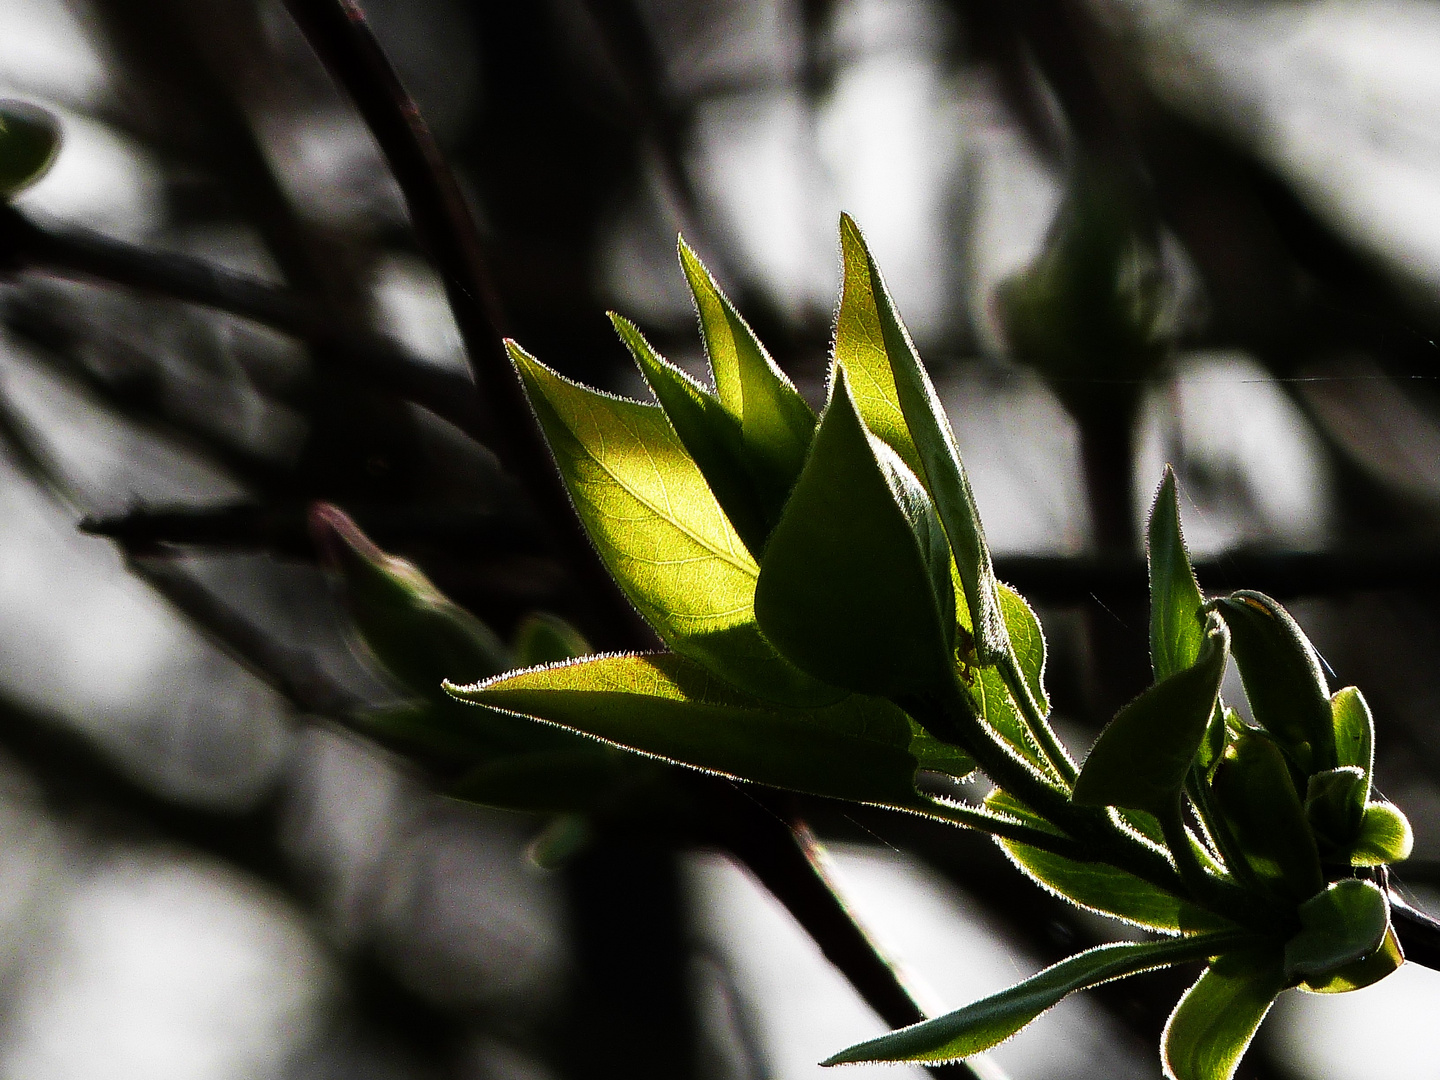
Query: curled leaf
x=1385, y=836
x=1215, y=1020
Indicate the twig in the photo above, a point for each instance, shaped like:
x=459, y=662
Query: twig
x=1418, y=932
x=445, y=229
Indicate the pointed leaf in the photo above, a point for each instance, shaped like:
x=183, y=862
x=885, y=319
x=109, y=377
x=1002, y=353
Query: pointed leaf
x=1177, y=625
x=1345, y=923
x=669, y=707
x=855, y=584
x=1098, y=886
x=992, y=1020
x=1385, y=836
x=543, y=638
x=709, y=433
x=1253, y=790
x=1143, y=756
x=1027, y=643
x=660, y=531
x=29, y=141
x=1283, y=679
x=413, y=629
x=776, y=423
x=1211, y=1027
x=899, y=404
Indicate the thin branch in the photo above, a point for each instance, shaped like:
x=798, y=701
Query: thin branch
x=79, y=254
x=1418, y=932
x=446, y=231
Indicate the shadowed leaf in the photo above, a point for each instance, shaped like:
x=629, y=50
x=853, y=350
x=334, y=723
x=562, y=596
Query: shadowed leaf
x=1345, y=923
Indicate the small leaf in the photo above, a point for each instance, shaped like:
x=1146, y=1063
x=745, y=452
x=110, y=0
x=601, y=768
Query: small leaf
x=543, y=638
x=660, y=531
x=1334, y=807
x=776, y=424
x=1254, y=791
x=898, y=402
x=669, y=707
x=1385, y=836
x=992, y=1020
x=1345, y=923
x=1283, y=679
x=1362, y=973
x=855, y=584
x=1027, y=641
x=995, y=704
x=1098, y=886
x=1211, y=1027
x=1143, y=756
x=1177, y=625
x=29, y=142
x=413, y=629
x=1354, y=732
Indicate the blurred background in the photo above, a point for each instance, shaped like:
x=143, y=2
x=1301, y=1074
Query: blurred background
x=1122, y=234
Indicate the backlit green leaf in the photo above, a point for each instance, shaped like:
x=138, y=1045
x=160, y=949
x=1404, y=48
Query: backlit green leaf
x=709, y=433
x=1362, y=973
x=660, y=531
x=1098, y=886
x=672, y=708
x=1283, y=678
x=992, y=1020
x=1177, y=625
x=997, y=706
x=1354, y=732
x=1385, y=836
x=1211, y=1027
x=1253, y=790
x=895, y=396
x=855, y=584
x=1143, y=756
x=1345, y=923
x=1027, y=641
x=29, y=141
x=776, y=423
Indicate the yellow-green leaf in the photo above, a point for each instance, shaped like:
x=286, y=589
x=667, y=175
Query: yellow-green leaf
x=1211, y=1027
x=1385, y=836
x=669, y=707
x=1177, y=626
x=1339, y=926
x=659, y=530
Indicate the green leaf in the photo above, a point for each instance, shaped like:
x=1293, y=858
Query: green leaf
x=1362, y=973
x=855, y=584
x=1334, y=807
x=574, y=778
x=709, y=433
x=1143, y=756
x=1211, y=1027
x=669, y=707
x=1385, y=836
x=1027, y=642
x=29, y=141
x=1177, y=625
x=1354, y=732
x=412, y=628
x=776, y=424
x=1345, y=923
x=660, y=531
x=994, y=702
x=1098, y=886
x=543, y=638
x=898, y=402
x=1283, y=679
x=1253, y=790
x=992, y=1020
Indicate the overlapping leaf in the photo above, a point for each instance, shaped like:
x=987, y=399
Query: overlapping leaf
x=862, y=748
x=1345, y=923
x=991, y=1021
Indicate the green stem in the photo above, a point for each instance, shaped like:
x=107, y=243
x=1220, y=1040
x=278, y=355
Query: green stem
x=1204, y=887
x=1040, y=729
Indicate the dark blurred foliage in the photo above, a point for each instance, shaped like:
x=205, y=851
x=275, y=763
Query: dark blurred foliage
x=270, y=335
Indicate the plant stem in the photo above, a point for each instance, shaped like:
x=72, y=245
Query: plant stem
x=1204, y=888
